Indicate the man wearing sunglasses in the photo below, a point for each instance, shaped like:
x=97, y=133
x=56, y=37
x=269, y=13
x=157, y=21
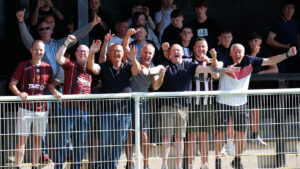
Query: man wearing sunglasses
x=51, y=45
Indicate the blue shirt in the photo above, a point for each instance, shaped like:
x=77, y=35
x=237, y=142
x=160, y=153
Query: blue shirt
x=50, y=54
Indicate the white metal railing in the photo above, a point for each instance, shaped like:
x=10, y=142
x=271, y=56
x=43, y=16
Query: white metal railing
x=285, y=93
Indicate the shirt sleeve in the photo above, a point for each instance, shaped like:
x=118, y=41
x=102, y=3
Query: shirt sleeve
x=18, y=73
x=157, y=17
x=192, y=67
x=67, y=63
x=255, y=61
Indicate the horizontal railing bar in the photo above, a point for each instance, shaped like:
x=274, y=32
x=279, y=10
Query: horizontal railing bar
x=152, y=94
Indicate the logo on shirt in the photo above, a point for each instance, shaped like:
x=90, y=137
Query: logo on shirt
x=202, y=32
x=83, y=81
x=36, y=86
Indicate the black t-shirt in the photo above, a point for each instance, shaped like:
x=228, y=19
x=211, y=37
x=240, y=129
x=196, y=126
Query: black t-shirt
x=208, y=30
x=114, y=81
x=222, y=52
x=172, y=35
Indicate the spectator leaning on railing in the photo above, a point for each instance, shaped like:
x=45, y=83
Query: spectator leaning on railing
x=34, y=76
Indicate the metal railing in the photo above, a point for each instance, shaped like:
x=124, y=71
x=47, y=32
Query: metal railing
x=282, y=136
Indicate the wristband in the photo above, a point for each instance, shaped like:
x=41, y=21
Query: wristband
x=65, y=45
x=287, y=55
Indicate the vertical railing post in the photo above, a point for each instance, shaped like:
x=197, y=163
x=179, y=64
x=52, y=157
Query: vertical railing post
x=137, y=99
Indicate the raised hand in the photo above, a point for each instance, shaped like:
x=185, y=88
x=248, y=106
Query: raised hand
x=132, y=53
x=70, y=39
x=20, y=15
x=145, y=71
x=95, y=47
x=146, y=10
x=163, y=71
x=49, y=3
x=292, y=51
x=132, y=31
x=108, y=36
x=165, y=46
x=213, y=53
x=96, y=20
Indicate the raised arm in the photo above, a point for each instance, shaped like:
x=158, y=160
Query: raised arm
x=35, y=16
x=157, y=81
x=126, y=39
x=56, y=12
x=165, y=47
x=107, y=38
x=160, y=24
x=215, y=63
x=136, y=67
x=272, y=42
x=84, y=31
x=60, y=58
x=210, y=69
x=25, y=35
x=151, y=23
x=278, y=58
x=91, y=65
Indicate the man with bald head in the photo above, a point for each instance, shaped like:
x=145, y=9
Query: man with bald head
x=235, y=106
x=74, y=115
x=115, y=119
x=178, y=77
x=149, y=76
x=34, y=77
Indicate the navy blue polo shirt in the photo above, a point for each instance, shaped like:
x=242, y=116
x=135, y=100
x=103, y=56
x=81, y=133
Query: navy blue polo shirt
x=114, y=81
x=178, y=77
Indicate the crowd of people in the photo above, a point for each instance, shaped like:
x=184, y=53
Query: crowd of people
x=142, y=55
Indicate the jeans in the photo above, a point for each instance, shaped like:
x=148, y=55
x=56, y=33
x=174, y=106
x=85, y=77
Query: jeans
x=113, y=134
x=72, y=120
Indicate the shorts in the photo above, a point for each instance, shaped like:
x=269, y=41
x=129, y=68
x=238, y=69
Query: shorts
x=174, y=120
x=39, y=121
x=201, y=118
x=240, y=117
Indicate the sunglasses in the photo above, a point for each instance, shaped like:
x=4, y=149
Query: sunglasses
x=45, y=28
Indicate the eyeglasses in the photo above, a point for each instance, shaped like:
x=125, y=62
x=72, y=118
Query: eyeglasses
x=45, y=28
